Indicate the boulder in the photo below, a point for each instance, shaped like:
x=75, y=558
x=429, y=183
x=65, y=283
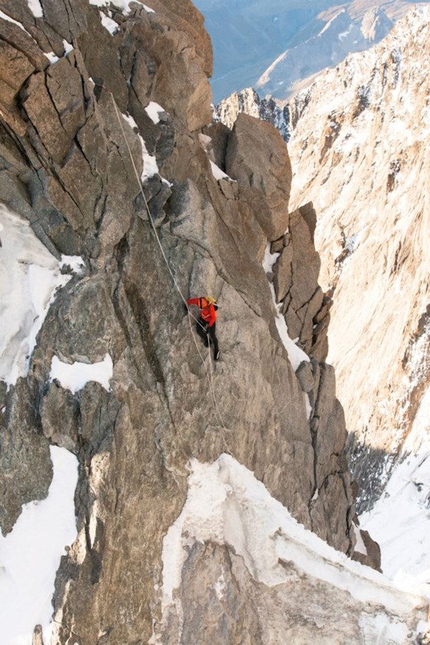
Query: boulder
x=257, y=158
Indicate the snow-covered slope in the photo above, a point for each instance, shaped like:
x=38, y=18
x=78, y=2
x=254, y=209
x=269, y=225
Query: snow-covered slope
x=29, y=278
x=360, y=152
x=400, y=519
x=281, y=42
x=30, y=555
x=339, y=36
x=266, y=553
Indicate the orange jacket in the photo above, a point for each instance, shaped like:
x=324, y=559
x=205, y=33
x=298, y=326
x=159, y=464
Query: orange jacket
x=207, y=311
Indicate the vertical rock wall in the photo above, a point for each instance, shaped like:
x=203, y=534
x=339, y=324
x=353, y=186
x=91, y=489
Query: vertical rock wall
x=120, y=89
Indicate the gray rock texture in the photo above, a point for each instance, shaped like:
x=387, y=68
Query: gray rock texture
x=71, y=165
x=295, y=279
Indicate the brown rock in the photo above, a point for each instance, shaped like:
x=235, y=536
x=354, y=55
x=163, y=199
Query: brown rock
x=277, y=245
x=257, y=158
x=64, y=84
x=305, y=375
x=15, y=68
x=283, y=272
x=309, y=215
x=37, y=636
x=184, y=16
x=373, y=556
x=305, y=280
x=22, y=41
x=219, y=134
x=58, y=415
x=43, y=115
x=66, y=17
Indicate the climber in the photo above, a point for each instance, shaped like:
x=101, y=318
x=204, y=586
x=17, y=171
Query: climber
x=206, y=324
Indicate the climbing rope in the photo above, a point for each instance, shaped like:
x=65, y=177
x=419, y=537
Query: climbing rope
x=209, y=373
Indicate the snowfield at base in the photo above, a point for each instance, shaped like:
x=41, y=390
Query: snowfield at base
x=226, y=504
x=29, y=278
x=30, y=555
x=75, y=376
x=400, y=519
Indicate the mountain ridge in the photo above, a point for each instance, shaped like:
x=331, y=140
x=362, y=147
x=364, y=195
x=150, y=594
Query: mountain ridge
x=110, y=163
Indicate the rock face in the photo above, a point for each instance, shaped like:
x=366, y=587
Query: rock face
x=101, y=154
x=361, y=155
x=258, y=160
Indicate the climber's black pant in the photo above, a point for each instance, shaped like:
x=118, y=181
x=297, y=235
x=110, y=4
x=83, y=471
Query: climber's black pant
x=204, y=332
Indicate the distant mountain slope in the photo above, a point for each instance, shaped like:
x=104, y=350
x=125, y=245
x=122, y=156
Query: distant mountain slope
x=339, y=36
x=360, y=152
x=249, y=36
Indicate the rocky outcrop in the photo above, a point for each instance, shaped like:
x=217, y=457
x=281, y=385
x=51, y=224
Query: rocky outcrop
x=101, y=154
x=305, y=307
x=264, y=179
x=249, y=102
x=361, y=156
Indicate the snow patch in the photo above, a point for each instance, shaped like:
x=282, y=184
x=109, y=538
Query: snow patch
x=153, y=110
x=15, y=22
x=218, y=173
x=68, y=47
x=74, y=262
x=269, y=260
x=344, y=34
x=122, y=5
x=392, y=630
x=360, y=547
x=76, y=375
x=108, y=23
x=30, y=555
x=295, y=354
x=53, y=58
x=150, y=167
x=30, y=277
x=35, y=8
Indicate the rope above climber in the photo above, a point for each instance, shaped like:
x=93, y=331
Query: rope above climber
x=206, y=323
